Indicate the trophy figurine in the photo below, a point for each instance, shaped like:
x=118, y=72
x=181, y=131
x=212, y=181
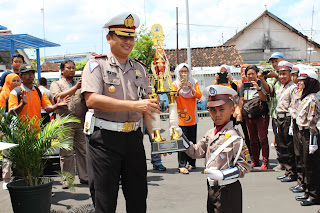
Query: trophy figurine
x=160, y=75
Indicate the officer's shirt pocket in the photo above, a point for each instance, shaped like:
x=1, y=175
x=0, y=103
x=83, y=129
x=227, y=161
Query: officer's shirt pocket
x=140, y=87
x=112, y=85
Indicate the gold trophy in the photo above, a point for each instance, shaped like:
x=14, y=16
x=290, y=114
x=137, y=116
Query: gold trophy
x=160, y=75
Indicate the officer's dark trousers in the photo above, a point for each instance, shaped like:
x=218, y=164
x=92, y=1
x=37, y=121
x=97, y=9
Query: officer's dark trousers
x=225, y=199
x=311, y=168
x=115, y=154
x=298, y=151
x=191, y=133
x=274, y=123
x=286, y=147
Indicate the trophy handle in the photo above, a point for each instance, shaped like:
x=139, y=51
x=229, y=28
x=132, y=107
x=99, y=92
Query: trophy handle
x=153, y=69
x=156, y=127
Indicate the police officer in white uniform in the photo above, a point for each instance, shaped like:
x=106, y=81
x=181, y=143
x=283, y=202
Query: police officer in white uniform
x=116, y=89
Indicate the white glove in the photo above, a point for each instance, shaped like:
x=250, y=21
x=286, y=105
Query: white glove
x=313, y=144
x=214, y=173
x=312, y=148
x=179, y=130
x=290, y=129
x=186, y=142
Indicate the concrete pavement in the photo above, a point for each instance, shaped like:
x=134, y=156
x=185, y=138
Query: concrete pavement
x=170, y=191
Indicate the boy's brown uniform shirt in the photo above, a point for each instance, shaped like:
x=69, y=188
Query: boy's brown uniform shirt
x=210, y=143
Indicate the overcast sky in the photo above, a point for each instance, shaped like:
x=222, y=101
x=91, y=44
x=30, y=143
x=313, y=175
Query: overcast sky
x=77, y=24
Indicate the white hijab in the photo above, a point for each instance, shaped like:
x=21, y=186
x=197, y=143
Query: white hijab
x=185, y=90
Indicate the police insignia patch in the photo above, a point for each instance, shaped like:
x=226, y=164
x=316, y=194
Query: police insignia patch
x=212, y=91
x=129, y=22
x=226, y=137
x=93, y=65
x=138, y=73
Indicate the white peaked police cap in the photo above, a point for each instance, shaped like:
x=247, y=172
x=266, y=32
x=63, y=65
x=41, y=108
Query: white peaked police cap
x=303, y=74
x=124, y=24
x=218, y=95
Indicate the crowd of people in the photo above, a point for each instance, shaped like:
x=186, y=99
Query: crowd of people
x=112, y=99
x=20, y=96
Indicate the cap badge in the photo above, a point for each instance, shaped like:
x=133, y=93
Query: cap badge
x=212, y=91
x=112, y=89
x=129, y=21
x=28, y=67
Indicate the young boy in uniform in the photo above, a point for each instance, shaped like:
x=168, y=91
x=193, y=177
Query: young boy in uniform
x=283, y=122
x=227, y=157
x=295, y=95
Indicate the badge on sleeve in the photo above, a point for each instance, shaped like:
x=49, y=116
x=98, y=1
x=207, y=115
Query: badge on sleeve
x=93, y=65
x=138, y=74
x=226, y=137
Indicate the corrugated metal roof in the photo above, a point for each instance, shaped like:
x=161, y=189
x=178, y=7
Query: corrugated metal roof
x=23, y=41
x=2, y=27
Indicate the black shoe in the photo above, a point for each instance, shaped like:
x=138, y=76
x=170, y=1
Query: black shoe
x=288, y=179
x=281, y=177
x=299, y=189
x=84, y=182
x=159, y=168
x=308, y=202
x=293, y=187
x=301, y=198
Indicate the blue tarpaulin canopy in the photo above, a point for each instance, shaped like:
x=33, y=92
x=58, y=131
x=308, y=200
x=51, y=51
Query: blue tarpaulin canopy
x=24, y=41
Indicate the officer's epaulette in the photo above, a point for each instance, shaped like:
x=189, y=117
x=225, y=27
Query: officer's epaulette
x=99, y=55
x=137, y=60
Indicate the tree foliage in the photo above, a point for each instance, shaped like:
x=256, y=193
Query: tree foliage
x=143, y=47
x=80, y=65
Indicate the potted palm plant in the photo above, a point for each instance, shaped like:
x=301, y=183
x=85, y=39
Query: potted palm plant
x=32, y=193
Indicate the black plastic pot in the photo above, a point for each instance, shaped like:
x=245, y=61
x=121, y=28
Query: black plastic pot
x=30, y=199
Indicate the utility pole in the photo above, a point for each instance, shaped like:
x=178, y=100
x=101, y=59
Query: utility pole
x=188, y=36
x=310, y=48
x=222, y=39
x=44, y=34
x=177, y=50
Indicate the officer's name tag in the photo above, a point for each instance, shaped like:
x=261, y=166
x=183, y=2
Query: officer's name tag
x=111, y=73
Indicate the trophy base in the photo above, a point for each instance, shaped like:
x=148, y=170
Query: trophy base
x=167, y=146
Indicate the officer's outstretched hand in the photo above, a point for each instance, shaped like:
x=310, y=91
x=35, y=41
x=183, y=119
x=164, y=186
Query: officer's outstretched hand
x=147, y=106
x=214, y=173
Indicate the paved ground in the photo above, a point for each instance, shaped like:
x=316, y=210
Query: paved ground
x=173, y=192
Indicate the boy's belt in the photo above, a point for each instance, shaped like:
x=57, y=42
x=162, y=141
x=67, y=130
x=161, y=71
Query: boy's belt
x=303, y=127
x=221, y=182
x=117, y=127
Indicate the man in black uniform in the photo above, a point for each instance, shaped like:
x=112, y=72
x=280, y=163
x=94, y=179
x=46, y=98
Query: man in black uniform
x=116, y=89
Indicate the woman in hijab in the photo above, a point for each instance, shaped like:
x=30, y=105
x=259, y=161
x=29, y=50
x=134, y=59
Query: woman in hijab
x=187, y=94
x=307, y=110
x=12, y=81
